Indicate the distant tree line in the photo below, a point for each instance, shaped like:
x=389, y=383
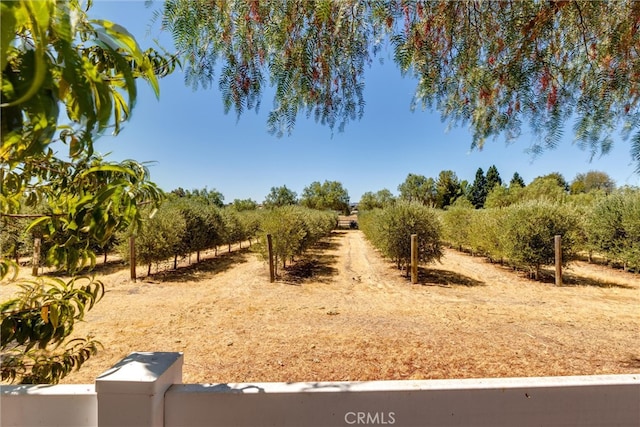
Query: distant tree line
x=329, y=195
x=486, y=190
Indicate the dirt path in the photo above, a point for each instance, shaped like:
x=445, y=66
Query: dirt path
x=348, y=314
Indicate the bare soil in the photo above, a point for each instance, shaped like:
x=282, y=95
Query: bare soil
x=344, y=313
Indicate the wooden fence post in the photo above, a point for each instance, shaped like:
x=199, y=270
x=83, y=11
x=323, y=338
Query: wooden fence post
x=414, y=258
x=272, y=275
x=132, y=257
x=557, y=243
x=36, y=257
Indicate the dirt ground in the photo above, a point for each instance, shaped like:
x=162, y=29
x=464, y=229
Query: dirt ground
x=346, y=314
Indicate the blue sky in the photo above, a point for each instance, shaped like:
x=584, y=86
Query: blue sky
x=193, y=144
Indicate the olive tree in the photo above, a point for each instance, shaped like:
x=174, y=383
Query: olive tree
x=613, y=227
x=529, y=234
x=390, y=231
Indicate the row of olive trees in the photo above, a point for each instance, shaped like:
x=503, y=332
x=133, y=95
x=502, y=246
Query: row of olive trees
x=184, y=226
x=293, y=229
x=58, y=248
x=612, y=228
x=390, y=229
x=522, y=234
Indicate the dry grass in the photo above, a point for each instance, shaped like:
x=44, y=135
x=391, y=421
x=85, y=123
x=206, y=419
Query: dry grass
x=346, y=314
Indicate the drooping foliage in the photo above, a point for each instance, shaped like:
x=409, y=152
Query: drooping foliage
x=496, y=66
x=39, y=318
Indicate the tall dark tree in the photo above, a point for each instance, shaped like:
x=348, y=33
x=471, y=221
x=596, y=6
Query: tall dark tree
x=493, y=178
x=478, y=191
x=516, y=180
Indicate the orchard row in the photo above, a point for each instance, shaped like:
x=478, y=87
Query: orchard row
x=520, y=234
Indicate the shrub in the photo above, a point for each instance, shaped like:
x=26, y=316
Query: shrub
x=294, y=230
x=529, y=234
x=614, y=227
x=456, y=221
x=158, y=238
x=390, y=231
x=487, y=235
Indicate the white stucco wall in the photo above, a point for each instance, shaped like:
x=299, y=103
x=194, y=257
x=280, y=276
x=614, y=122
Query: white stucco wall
x=145, y=389
x=612, y=400
x=49, y=406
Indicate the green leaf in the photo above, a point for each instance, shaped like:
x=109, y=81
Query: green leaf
x=107, y=168
x=38, y=13
x=37, y=222
x=7, y=30
x=116, y=36
x=54, y=315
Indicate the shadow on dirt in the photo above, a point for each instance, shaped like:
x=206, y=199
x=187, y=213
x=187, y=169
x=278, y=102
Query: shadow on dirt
x=327, y=245
x=101, y=268
x=201, y=270
x=316, y=269
x=110, y=267
x=316, y=266
x=572, y=279
x=633, y=362
x=432, y=276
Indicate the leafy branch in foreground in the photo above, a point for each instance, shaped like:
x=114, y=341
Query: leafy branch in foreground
x=38, y=320
x=54, y=57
